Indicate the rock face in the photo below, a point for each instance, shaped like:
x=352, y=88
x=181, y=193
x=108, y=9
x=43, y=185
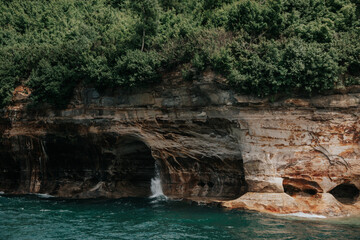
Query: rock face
x=209, y=143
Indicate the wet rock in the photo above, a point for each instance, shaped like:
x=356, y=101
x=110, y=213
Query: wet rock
x=211, y=144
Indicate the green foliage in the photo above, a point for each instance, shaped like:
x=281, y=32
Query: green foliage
x=53, y=45
x=52, y=83
x=247, y=16
x=10, y=74
x=148, y=11
x=261, y=47
x=273, y=67
x=286, y=46
x=137, y=68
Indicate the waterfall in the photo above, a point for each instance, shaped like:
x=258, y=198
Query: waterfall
x=156, y=189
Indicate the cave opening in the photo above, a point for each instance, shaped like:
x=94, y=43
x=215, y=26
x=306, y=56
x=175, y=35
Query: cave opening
x=136, y=168
x=293, y=191
x=346, y=193
x=300, y=187
x=9, y=169
x=99, y=165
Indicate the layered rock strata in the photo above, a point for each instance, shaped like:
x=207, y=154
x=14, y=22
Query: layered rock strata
x=210, y=144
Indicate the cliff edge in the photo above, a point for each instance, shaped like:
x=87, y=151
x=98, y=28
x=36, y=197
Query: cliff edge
x=212, y=145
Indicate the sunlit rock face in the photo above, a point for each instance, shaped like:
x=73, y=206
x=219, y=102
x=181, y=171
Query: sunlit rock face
x=211, y=144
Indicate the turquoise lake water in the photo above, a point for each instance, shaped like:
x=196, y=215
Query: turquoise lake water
x=34, y=217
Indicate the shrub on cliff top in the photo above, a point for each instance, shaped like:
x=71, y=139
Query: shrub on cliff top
x=261, y=47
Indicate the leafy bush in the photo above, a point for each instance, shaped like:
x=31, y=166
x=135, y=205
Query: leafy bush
x=272, y=67
x=52, y=84
x=11, y=72
x=137, y=68
x=261, y=47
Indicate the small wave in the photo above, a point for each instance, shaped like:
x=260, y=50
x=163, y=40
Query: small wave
x=303, y=215
x=1, y=193
x=67, y=211
x=43, y=195
x=201, y=203
x=45, y=210
x=158, y=199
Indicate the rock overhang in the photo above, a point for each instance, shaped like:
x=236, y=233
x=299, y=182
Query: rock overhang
x=213, y=143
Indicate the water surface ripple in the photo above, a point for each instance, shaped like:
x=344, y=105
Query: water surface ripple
x=33, y=217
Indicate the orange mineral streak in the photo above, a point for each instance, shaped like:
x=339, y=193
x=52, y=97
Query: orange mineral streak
x=212, y=144
x=21, y=93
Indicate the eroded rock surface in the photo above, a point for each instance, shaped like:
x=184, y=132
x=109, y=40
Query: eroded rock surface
x=285, y=156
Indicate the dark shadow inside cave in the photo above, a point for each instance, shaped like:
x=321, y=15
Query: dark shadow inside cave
x=121, y=166
x=9, y=169
x=301, y=187
x=346, y=193
x=136, y=164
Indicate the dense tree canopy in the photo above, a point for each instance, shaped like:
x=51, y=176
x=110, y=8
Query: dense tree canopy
x=261, y=47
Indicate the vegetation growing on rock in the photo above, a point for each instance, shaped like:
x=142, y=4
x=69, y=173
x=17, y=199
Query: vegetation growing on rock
x=261, y=47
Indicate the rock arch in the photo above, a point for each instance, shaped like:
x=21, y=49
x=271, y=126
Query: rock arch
x=346, y=193
x=84, y=166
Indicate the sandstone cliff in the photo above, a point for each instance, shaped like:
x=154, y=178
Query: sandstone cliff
x=210, y=144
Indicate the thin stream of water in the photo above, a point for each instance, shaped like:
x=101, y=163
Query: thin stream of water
x=156, y=188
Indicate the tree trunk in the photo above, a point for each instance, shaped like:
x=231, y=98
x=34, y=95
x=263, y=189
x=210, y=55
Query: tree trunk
x=143, y=40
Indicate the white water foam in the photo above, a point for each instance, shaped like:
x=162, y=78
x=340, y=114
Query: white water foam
x=45, y=210
x=67, y=211
x=304, y=215
x=156, y=188
x=43, y=195
x=1, y=193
